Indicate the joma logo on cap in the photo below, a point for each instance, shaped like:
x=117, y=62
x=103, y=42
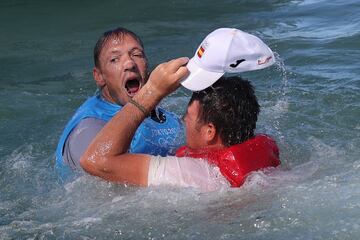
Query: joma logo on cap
x=234, y=65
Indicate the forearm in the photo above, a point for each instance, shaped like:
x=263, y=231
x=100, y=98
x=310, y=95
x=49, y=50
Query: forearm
x=115, y=138
x=107, y=156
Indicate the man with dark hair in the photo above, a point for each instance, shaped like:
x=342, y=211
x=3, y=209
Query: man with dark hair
x=120, y=71
x=235, y=99
x=221, y=148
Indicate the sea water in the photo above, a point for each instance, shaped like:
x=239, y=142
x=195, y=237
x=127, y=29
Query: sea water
x=310, y=104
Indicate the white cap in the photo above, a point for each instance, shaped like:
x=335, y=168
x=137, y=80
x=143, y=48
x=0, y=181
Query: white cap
x=226, y=50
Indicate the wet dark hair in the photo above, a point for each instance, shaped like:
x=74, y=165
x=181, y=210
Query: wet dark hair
x=117, y=33
x=231, y=105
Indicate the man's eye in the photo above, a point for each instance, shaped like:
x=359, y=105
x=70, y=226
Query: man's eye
x=138, y=54
x=115, y=59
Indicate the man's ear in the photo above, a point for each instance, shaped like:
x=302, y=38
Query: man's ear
x=210, y=133
x=100, y=82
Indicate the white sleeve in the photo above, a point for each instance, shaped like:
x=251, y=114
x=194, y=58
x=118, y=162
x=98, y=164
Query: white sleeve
x=185, y=172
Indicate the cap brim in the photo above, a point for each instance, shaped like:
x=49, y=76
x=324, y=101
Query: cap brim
x=199, y=78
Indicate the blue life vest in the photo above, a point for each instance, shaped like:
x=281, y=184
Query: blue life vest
x=151, y=137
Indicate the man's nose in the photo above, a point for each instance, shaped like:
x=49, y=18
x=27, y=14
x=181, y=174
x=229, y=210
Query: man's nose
x=129, y=63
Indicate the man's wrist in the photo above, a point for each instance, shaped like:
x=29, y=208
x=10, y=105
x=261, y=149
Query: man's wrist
x=140, y=107
x=148, y=97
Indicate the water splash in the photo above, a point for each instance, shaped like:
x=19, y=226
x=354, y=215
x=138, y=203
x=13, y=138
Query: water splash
x=280, y=67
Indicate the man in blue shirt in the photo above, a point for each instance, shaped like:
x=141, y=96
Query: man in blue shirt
x=120, y=71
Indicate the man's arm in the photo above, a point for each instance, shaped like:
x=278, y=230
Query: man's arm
x=107, y=155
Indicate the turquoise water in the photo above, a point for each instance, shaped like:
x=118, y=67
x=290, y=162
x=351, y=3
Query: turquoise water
x=310, y=104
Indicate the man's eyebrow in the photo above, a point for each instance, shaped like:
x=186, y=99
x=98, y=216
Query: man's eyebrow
x=131, y=50
x=116, y=51
x=136, y=48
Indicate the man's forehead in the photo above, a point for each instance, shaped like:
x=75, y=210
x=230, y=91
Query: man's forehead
x=193, y=107
x=120, y=40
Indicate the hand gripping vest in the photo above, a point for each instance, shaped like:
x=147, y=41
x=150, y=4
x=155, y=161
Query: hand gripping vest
x=237, y=161
x=151, y=137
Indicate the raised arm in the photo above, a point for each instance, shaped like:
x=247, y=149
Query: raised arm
x=107, y=156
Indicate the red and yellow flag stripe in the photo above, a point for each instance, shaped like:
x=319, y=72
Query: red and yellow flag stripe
x=200, y=52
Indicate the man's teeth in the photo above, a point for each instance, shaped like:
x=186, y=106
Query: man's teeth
x=133, y=90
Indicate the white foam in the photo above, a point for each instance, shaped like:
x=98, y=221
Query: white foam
x=277, y=176
x=86, y=221
x=356, y=165
x=21, y=165
x=117, y=199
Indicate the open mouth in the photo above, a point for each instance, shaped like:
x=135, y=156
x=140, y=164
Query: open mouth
x=132, y=87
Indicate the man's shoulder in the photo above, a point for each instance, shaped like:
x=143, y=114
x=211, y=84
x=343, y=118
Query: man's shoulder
x=79, y=139
x=85, y=131
x=96, y=107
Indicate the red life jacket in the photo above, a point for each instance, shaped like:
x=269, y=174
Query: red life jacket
x=237, y=161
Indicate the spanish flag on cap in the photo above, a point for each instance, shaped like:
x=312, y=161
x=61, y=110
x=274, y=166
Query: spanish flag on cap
x=200, y=52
